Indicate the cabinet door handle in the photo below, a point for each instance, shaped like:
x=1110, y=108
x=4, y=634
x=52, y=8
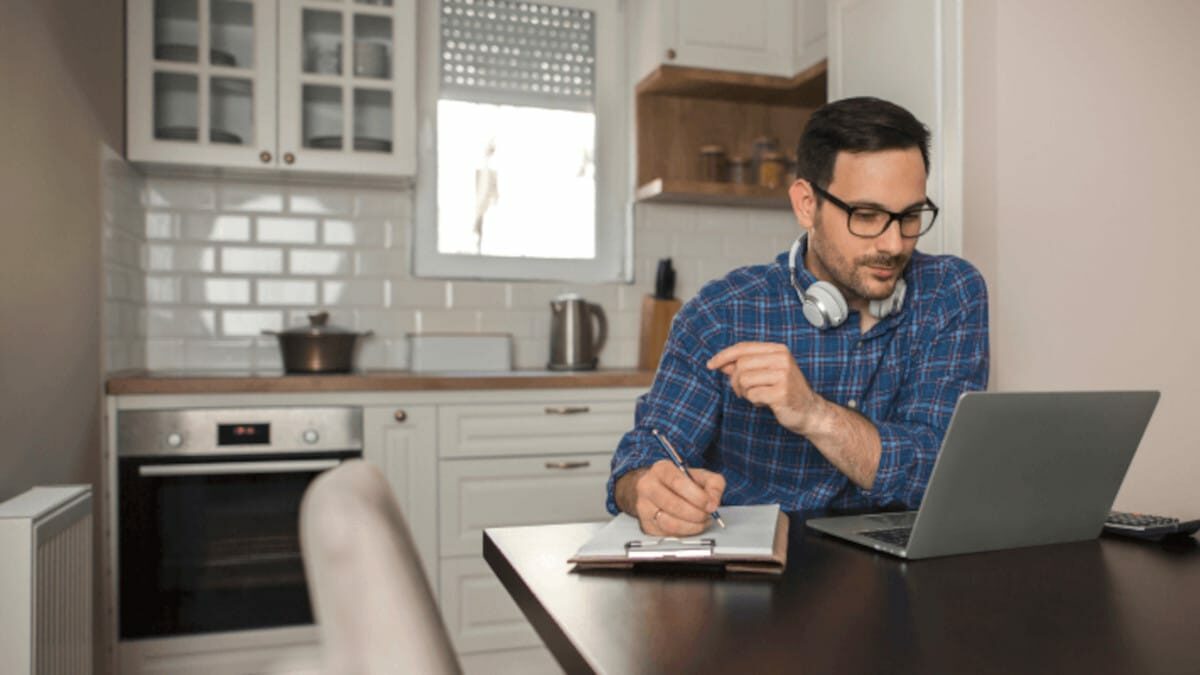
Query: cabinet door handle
x=400, y=415
x=567, y=409
x=568, y=465
x=265, y=157
x=289, y=158
x=670, y=54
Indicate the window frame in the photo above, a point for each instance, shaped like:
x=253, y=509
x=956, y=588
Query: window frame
x=613, y=261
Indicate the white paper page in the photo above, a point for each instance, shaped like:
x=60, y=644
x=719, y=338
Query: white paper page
x=749, y=531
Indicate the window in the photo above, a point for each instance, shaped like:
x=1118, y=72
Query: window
x=524, y=130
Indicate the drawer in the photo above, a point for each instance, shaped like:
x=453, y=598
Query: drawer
x=500, y=430
x=479, y=493
x=480, y=615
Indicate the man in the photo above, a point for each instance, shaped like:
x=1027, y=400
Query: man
x=827, y=383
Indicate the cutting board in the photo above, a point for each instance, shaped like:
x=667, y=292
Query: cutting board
x=656, y=325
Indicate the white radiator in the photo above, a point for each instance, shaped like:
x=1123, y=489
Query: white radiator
x=46, y=582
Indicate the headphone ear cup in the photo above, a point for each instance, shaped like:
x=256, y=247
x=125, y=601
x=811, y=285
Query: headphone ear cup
x=891, y=304
x=824, y=306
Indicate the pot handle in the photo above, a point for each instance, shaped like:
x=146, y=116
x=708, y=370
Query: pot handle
x=598, y=312
x=366, y=334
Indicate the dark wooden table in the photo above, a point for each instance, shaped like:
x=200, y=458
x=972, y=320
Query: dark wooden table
x=1103, y=606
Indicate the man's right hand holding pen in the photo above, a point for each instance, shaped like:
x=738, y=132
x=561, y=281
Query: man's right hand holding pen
x=666, y=502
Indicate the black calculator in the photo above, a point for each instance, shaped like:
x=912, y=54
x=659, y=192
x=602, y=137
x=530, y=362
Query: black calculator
x=1147, y=526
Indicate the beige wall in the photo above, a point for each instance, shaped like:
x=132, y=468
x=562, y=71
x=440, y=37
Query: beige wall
x=61, y=107
x=1082, y=168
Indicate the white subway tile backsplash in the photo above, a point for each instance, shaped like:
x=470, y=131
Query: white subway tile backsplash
x=178, y=194
x=249, y=323
x=196, y=268
x=361, y=293
x=247, y=260
x=173, y=258
x=218, y=291
x=216, y=227
x=180, y=322
x=320, y=201
x=286, y=292
x=273, y=230
x=251, y=197
x=315, y=262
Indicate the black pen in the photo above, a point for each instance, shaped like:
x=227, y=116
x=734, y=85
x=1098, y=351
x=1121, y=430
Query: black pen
x=678, y=461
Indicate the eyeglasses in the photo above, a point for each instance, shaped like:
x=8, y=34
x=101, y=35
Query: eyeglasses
x=869, y=222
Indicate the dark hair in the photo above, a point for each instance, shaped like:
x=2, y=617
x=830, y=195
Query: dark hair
x=862, y=124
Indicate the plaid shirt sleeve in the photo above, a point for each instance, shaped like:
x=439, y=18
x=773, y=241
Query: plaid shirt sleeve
x=951, y=363
x=684, y=403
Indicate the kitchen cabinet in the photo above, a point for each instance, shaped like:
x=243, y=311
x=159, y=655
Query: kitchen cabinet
x=288, y=86
x=400, y=439
x=766, y=37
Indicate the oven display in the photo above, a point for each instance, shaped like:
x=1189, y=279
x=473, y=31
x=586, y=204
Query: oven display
x=243, y=434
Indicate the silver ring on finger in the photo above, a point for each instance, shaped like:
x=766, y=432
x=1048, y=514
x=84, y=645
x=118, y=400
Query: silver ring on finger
x=655, y=518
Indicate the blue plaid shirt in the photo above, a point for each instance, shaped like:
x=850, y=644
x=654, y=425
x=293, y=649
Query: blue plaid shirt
x=905, y=375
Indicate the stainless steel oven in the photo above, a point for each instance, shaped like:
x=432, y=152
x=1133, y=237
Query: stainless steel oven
x=208, y=514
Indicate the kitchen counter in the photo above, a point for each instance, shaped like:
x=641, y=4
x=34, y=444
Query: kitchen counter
x=199, y=382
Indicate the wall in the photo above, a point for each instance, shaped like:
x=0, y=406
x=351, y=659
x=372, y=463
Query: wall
x=227, y=259
x=1080, y=170
x=62, y=114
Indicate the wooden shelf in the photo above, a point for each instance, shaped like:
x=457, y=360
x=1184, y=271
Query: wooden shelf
x=674, y=191
x=807, y=89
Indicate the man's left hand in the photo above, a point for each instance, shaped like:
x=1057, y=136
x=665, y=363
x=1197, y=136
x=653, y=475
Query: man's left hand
x=765, y=374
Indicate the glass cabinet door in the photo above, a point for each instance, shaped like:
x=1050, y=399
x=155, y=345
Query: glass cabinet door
x=201, y=81
x=347, y=86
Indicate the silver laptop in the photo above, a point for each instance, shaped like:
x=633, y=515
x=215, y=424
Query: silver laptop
x=1015, y=469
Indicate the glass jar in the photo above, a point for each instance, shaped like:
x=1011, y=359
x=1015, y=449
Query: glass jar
x=739, y=170
x=771, y=169
x=713, y=164
x=759, y=149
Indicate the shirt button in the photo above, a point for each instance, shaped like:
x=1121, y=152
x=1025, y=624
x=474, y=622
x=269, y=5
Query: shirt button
x=852, y=403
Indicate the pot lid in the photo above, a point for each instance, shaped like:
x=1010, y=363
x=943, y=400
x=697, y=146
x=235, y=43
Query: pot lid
x=317, y=325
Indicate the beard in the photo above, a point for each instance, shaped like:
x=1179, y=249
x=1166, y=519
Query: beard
x=853, y=278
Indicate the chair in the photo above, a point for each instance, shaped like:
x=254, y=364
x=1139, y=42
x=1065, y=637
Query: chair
x=375, y=611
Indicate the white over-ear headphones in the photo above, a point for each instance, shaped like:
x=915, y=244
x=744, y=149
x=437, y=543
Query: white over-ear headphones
x=824, y=306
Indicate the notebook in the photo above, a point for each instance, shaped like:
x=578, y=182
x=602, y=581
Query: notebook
x=1015, y=469
x=754, y=540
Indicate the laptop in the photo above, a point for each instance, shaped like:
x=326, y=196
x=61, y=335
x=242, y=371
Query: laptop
x=1015, y=469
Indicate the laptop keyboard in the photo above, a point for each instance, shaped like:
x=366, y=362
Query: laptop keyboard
x=897, y=536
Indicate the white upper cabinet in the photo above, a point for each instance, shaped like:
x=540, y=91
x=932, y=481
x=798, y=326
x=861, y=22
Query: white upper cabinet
x=322, y=86
x=767, y=37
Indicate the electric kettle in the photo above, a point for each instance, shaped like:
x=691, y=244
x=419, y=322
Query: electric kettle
x=573, y=344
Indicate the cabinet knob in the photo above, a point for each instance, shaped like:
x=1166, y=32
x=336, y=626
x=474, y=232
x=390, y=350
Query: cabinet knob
x=670, y=54
x=566, y=409
x=289, y=158
x=265, y=157
x=400, y=415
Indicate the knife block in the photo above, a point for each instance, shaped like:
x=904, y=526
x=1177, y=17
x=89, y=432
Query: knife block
x=656, y=324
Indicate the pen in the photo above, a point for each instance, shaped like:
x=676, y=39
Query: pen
x=678, y=461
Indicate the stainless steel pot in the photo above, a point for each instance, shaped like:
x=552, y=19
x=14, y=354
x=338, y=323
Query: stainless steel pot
x=317, y=347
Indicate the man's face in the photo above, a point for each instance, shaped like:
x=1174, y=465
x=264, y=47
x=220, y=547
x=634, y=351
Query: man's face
x=863, y=269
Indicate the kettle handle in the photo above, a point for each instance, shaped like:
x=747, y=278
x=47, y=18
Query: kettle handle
x=602, y=321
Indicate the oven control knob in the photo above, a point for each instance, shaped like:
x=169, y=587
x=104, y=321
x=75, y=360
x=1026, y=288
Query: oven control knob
x=310, y=436
x=174, y=439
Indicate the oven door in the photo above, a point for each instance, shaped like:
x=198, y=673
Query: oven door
x=212, y=543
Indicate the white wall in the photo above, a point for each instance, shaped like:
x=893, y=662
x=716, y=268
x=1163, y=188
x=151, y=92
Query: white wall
x=1080, y=194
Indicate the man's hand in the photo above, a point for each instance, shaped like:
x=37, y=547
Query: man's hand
x=765, y=374
x=668, y=503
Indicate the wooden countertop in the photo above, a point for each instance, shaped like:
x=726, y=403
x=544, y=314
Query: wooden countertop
x=174, y=382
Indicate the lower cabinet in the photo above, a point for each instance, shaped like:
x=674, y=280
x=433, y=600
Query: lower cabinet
x=488, y=460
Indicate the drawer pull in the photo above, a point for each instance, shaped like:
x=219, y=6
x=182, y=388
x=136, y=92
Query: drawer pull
x=566, y=409
x=568, y=465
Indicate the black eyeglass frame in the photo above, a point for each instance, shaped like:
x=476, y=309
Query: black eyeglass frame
x=891, y=216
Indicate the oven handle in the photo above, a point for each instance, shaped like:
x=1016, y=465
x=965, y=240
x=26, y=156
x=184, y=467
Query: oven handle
x=230, y=468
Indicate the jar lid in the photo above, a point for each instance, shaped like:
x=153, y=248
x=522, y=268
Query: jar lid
x=773, y=155
x=739, y=159
x=766, y=140
x=712, y=149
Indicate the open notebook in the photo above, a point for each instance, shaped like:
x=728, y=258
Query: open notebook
x=754, y=540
